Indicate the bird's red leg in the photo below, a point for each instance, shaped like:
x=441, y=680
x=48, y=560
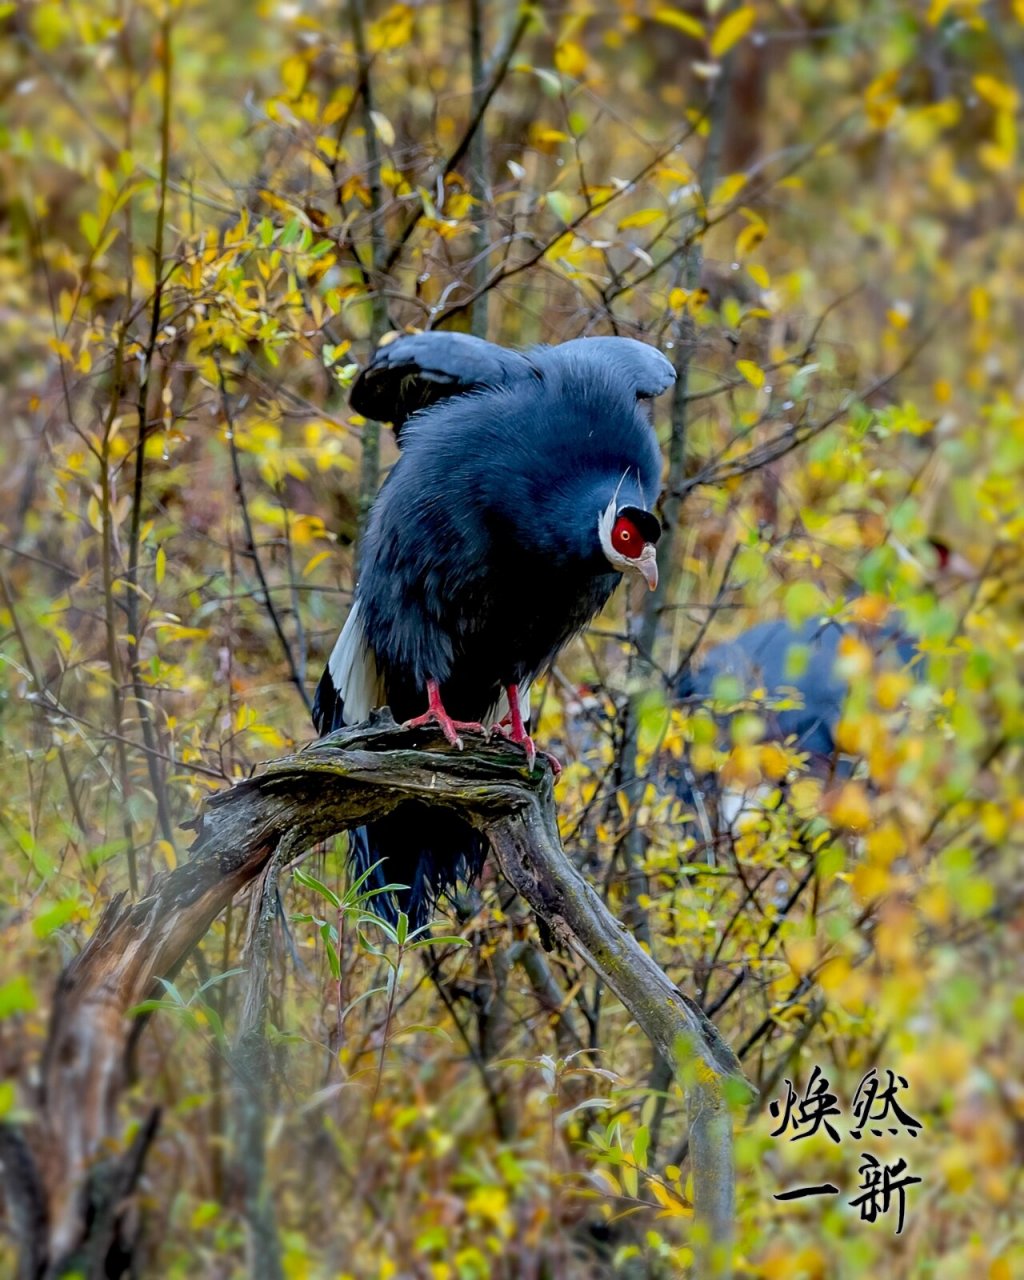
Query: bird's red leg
x=436, y=714
x=517, y=732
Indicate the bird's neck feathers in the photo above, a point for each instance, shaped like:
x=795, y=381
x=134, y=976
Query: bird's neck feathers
x=571, y=510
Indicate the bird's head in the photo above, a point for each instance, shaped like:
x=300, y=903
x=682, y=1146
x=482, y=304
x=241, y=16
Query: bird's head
x=629, y=536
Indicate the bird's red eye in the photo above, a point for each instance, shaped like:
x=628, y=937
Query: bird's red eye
x=625, y=538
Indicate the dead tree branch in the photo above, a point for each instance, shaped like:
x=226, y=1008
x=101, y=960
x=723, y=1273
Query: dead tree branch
x=68, y=1171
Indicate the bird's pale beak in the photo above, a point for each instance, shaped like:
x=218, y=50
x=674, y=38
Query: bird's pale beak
x=647, y=563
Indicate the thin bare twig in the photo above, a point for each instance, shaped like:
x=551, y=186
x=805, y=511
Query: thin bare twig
x=253, y=553
x=132, y=610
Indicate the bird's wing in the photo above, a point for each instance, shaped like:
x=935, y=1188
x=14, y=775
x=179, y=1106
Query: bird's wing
x=417, y=369
x=351, y=686
x=643, y=367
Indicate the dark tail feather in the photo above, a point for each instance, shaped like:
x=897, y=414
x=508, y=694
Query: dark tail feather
x=424, y=848
x=328, y=706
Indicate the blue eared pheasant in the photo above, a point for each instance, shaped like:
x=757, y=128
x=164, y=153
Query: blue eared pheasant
x=523, y=492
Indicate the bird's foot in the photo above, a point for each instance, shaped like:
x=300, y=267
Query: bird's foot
x=513, y=727
x=449, y=727
x=436, y=714
x=529, y=746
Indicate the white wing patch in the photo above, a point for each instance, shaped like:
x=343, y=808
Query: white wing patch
x=354, y=674
x=353, y=668
x=499, y=711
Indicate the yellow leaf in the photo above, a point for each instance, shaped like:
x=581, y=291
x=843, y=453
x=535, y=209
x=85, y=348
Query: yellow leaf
x=753, y=373
x=935, y=904
x=681, y=21
x=314, y=561
x=801, y=954
x=732, y=29
x=728, y=189
x=643, y=218
x=954, y=1164
x=854, y=658
x=759, y=275
x=570, y=59
x=696, y=300
x=671, y=1207
x=891, y=688
x=488, y=1202
x=880, y=99
x=869, y=882
x=1001, y=96
x=885, y=844
x=994, y=823
x=774, y=761
x=870, y=609
x=161, y=565
x=851, y=808
x=293, y=75
x=749, y=238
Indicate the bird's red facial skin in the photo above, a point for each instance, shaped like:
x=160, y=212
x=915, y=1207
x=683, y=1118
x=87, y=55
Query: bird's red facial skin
x=626, y=538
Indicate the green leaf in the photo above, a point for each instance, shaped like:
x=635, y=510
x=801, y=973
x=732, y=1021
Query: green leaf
x=560, y=205
x=17, y=996
x=53, y=917
x=333, y=960
x=803, y=601
x=318, y=886
x=447, y=940
x=373, y=991
x=218, y=978
x=90, y=228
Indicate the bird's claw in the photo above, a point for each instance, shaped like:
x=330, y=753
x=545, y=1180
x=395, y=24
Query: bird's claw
x=436, y=714
x=449, y=727
x=506, y=730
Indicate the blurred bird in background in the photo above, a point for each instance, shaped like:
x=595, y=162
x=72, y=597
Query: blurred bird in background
x=796, y=681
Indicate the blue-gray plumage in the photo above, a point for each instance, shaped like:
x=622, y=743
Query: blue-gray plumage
x=518, y=501
x=418, y=370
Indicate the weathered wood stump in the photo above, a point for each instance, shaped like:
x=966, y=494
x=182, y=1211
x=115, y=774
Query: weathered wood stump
x=68, y=1178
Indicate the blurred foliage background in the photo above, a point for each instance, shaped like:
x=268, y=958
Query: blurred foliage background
x=208, y=216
